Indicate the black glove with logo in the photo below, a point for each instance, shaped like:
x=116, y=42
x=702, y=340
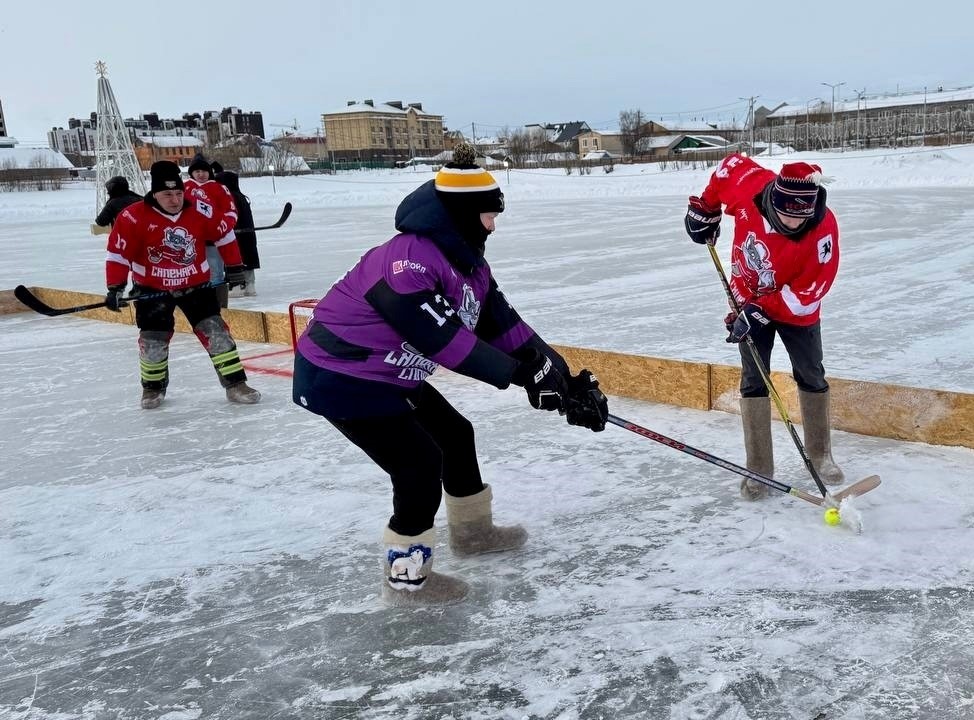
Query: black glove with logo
x=113, y=300
x=235, y=276
x=544, y=383
x=702, y=221
x=587, y=406
x=751, y=316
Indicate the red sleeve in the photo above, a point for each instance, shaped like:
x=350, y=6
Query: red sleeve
x=229, y=207
x=801, y=294
x=736, y=181
x=121, y=247
x=216, y=230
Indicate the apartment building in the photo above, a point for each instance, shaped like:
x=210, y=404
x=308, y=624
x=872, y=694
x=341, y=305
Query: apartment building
x=382, y=132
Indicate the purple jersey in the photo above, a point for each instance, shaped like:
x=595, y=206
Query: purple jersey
x=404, y=309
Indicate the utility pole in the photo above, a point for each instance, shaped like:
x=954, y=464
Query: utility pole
x=923, y=137
x=834, y=86
x=860, y=99
x=750, y=115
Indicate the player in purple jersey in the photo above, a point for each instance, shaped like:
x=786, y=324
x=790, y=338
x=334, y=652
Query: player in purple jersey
x=427, y=298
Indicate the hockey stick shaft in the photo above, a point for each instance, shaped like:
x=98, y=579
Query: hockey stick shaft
x=285, y=214
x=713, y=459
x=766, y=377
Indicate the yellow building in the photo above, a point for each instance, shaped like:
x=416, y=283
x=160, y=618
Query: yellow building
x=383, y=132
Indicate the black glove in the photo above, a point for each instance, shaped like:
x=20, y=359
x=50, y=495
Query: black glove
x=113, y=300
x=235, y=276
x=702, y=221
x=545, y=385
x=751, y=316
x=587, y=406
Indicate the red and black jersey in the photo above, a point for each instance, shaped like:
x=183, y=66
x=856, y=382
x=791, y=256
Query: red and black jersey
x=167, y=252
x=787, y=277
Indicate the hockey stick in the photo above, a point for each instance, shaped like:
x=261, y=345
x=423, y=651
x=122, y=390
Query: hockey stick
x=285, y=214
x=857, y=488
x=779, y=403
x=37, y=305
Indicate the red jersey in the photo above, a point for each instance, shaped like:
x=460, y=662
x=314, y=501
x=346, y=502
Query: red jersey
x=167, y=252
x=217, y=195
x=787, y=278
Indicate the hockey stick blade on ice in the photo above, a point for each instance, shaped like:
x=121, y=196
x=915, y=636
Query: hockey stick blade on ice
x=858, y=488
x=37, y=305
x=285, y=214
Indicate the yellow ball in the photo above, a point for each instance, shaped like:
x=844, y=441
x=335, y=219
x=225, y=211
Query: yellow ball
x=832, y=516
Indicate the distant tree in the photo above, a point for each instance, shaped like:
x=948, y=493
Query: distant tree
x=633, y=127
x=518, y=145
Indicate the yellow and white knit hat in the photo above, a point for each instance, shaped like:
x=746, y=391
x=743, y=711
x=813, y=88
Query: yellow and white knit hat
x=462, y=184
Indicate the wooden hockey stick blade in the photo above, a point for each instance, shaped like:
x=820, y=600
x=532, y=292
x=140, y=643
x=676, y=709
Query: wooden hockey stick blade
x=860, y=487
x=285, y=214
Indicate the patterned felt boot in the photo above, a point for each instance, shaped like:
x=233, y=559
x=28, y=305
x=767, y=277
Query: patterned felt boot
x=756, y=415
x=472, y=529
x=408, y=579
x=818, y=438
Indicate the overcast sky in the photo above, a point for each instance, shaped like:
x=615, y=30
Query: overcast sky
x=495, y=63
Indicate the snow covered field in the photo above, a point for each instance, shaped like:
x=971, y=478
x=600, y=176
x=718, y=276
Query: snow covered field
x=215, y=561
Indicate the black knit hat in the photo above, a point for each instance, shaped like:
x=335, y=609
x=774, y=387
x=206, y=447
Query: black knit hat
x=165, y=176
x=200, y=163
x=117, y=185
x=215, y=168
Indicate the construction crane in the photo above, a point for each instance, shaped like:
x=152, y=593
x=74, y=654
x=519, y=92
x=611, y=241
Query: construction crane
x=291, y=126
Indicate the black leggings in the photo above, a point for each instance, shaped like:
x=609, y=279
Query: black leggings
x=421, y=449
x=804, y=346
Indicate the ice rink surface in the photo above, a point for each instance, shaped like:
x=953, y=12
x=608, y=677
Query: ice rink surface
x=216, y=561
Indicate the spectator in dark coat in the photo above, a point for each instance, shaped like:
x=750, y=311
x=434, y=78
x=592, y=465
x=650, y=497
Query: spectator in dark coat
x=246, y=240
x=119, y=198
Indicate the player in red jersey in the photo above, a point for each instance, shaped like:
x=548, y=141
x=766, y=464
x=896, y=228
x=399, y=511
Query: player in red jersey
x=784, y=259
x=161, y=242
x=201, y=185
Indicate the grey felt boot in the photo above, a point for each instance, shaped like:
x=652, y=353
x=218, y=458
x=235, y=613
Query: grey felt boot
x=472, y=529
x=408, y=579
x=816, y=423
x=756, y=414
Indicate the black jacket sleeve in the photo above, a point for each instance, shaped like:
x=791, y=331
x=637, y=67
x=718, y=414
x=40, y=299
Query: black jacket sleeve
x=499, y=317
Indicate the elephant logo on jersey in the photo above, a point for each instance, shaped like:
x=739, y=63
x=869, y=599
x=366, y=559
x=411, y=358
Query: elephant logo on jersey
x=469, y=311
x=756, y=257
x=178, y=246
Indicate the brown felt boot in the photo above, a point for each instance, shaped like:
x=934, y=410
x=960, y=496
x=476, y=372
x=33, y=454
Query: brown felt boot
x=151, y=399
x=408, y=579
x=242, y=393
x=818, y=438
x=756, y=414
x=472, y=529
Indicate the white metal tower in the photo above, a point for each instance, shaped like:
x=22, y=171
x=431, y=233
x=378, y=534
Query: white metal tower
x=113, y=150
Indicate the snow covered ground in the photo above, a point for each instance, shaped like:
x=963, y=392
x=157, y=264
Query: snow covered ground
x=215, y=561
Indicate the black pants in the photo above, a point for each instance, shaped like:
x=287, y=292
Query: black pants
x=155, y=318
x=804, y=346
x=432, y=445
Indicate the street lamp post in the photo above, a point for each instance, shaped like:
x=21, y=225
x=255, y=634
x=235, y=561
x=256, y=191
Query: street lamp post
x=834, y=86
